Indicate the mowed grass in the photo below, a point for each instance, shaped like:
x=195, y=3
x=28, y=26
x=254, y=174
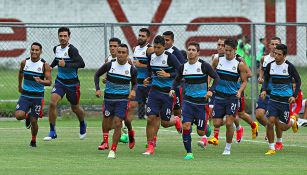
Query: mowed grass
x=69, y=155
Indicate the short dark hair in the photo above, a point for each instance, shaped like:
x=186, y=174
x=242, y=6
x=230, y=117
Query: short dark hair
x=195, y=44
x=64, y=29
x=275, y=38
x=169, y=33
x=115, y=40
x=37, y=44
x=159, y=40
x=231, y=42
x=125, y=46
x=145, y=30
x=283, y=48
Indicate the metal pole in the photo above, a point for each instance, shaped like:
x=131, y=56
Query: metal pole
x=105, y=34
x=112, y=30
x=253, y=69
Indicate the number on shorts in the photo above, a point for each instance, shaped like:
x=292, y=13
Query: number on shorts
x=38, y=109
x=233, y=107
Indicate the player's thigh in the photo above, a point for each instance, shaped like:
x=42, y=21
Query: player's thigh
x=37, y=108
x=167, y=107
x=154, y=103
x=73, y=94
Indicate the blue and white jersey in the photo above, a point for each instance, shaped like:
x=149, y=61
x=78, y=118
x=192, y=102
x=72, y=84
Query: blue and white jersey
x=30, y=87
x=195, y=81
x=228, y=71
x=281, y=77
x=117, y=81
x=266, y=60
x=68, y=75
x=167, y=62
x=175, y=51
x=109, y=59
x=140, y=54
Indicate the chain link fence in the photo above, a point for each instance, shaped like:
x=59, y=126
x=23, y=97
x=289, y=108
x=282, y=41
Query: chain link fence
x=92, y=43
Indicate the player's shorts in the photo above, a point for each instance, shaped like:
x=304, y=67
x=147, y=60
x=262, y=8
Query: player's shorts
x=194, y=113
x=72, y=92
x=241, y=104
x=224, y=107
x=178, y=98
x=112, y=108
x=159, y=104
x=279, y=110
x=263, y=104
x=141, y=94
x=34, y=105
x=211, y=101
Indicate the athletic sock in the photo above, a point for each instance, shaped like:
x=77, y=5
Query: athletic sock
x=186, y=137
x=216, y=132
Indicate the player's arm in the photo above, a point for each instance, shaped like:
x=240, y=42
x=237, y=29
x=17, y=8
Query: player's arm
x=215, y=62
x=177, y=80
x=20, y=75
x=78, y=60
x=243, y=77
x=293, y=72
x=102, y=70
x=54, y=62
x=207, y=69
x=261, y=72
x=179, y=56
x=265, y=85
x=133, y=82
x=149, y=72
x=248, y=71
x=47, y=72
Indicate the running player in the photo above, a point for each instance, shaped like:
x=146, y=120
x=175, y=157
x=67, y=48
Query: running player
x=117, y=92
x=113, y=44
x=34, y=74
x=68, y=60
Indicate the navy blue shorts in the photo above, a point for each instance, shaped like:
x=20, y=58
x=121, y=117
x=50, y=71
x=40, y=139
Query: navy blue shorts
x=224, y=107
x=115, y=108
x=279, y=110
x=72, y=92
x=211, y=101
x=34, y=105
x=194, y=113
x=263, y=104
x=141, y=94
x=159, y=104
x=178, y=98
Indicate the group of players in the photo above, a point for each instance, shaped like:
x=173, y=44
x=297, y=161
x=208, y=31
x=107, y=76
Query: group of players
x=174, y=88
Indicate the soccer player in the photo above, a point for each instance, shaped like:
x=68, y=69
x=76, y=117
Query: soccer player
x=169, y=47
x=162, y=67
x=229, y=69
x=68, y=60
x=195, y=73
x=113, y=44
x=280, y=73
x=120, y=74
x=34, y=74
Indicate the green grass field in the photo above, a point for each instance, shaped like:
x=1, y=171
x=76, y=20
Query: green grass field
x=69, y=155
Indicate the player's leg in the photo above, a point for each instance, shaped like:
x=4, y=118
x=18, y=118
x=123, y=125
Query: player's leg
x=167, y=120
x=22, y=108
x=201, y=123
x=187, y=120
x=248, y=119
x=239, y=129
x=107, y=110
x=117, y=123
x=278, y=131
x=261, y=111
x=177, y=102
x=34, y=131
x=218, y=113
x=36, y=112
x=272, y=113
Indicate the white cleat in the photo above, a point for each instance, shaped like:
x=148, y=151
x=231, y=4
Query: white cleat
x=47, y=138
x=82, y=136
x=201, y=144
x=226, y=152
x=112, y=155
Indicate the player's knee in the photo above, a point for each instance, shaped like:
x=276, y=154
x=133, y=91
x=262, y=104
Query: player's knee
x=20, y=115
x=117, y=123
x=133, y=104
x=201, y=132
x=150, y=120
x=186, y=126
x=165, y=124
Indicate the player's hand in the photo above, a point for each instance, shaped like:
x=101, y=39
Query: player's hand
x=146, y=81
x=208, y=95
x=37, y=79
x=291, y=100
x=171, y=93
x=136, y=63
x=62, y=62
x=98, y=93
x=262, y=95
x=19, y=88
x=132, y=95
x=104, y=80
x=163, y=74
x=239, y=93
x=260, y=80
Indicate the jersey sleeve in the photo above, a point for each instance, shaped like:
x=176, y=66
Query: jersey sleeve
x=102, y=70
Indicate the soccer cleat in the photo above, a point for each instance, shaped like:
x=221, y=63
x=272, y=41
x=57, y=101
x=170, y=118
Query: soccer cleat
x=178, y=124
x=270, y=152
x=112, y=155
x=209, y=131
x=294, y=126
x=124, y=138
x=149, y=151
x=213, y=141
x=278, y=146
x=226, y=152
x=189, y=156
x=202, y=143
x=52, y=135
x=28, y=123
x=301, y=122
x=239, y=134
x=255, y=131
x=32, y=144
x=103, y=146
x=131, y=140
x=82, y=131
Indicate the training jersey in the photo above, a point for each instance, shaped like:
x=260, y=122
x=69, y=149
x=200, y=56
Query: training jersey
x=109, y=58
x=280, y=76
x=266, y=60
x=140, y=54
x=195, y=81
x=118, y=80
x=68, y=75
x=30, y=87
x=175, y=51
